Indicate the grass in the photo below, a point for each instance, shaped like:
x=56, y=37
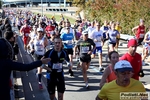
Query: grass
x=57, y=17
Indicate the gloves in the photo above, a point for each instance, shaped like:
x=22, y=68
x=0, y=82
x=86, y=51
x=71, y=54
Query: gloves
x=141, y=73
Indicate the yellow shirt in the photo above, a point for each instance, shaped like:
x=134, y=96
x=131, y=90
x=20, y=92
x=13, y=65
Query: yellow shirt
x=111, y=91
x=118, y=28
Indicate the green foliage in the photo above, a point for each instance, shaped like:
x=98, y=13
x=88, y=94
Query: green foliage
x=127, y=12
x=0, y=3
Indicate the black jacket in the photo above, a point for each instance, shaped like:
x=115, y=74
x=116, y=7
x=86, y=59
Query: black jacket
x=6, y=66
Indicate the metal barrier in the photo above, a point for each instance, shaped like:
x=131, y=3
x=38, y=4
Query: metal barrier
x=57, y=10
x=126, y=37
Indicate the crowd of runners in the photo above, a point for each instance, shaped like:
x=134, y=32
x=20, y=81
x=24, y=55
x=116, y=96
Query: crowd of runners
x=45, y=37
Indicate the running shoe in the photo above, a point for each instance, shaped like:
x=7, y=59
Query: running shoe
x=71, y=72
x=101, y=69
x=87, y=86
x=40, y=86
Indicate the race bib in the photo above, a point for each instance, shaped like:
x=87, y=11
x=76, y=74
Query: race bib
x=39, y=49
x=84, y=49
x=27, y=34
x=69, y=42
x=113, y=38
x=141, y=35
x=98, y=38
x=57, y=66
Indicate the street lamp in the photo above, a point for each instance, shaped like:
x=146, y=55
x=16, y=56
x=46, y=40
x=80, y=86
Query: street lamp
x=64, y=3
x=42, y=6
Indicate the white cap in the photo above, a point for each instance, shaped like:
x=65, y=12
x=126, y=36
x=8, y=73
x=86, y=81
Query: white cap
x=123, y=65
x=40, y=29
x=85, y=32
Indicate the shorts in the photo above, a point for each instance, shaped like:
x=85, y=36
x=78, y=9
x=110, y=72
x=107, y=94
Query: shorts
x=113, y=44
x=19, y=27
x=99, y=50
x=147, y=46
x=37, y=57
x=25, y=40
x=56, y=80
x=104, y=35
x=117, y=39
x=140, y=40
x=85, y=58
x=69, y=51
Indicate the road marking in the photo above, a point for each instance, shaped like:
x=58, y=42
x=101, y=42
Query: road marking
x=92, y=67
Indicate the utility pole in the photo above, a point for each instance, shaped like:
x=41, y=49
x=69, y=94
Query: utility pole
x=59, y=3
x=42, y=7
x=64, y=3
x=26, y=3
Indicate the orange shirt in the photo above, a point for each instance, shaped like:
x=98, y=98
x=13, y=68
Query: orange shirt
x=111, y=76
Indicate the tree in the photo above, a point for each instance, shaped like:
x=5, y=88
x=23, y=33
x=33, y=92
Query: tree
x=128, y=12
x=0, y=4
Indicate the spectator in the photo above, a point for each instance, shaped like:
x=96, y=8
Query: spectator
x=7, y=65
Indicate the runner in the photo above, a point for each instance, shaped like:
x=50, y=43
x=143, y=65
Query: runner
x=111, y=35
x=49, y=28
x=90, y=29
x=146, y=46
x=32, y=36
x=25, y=31
x=78, y=33
x=39, y=44
x=104, y=28
x=85, y=49
x=97, y=37
x=68, y=41
x=109, y=73
x=55, y=73
x=134, y=58
x=139, y=32
x=123, y=83
x=119, y=29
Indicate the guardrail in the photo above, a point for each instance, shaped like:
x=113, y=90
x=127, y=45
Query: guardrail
x=126, y=37
x=62, y=10
x=56, y=9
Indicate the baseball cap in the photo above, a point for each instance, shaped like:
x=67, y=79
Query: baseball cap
x=85, y=32
x=40, y=29
x=123, y=65
x=132, y=42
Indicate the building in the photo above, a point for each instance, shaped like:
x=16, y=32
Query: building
x=24, y=3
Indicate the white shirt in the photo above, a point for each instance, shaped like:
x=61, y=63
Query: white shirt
x=63, y=30
x=97, y=35
x=90, y=29
x=39, y=46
